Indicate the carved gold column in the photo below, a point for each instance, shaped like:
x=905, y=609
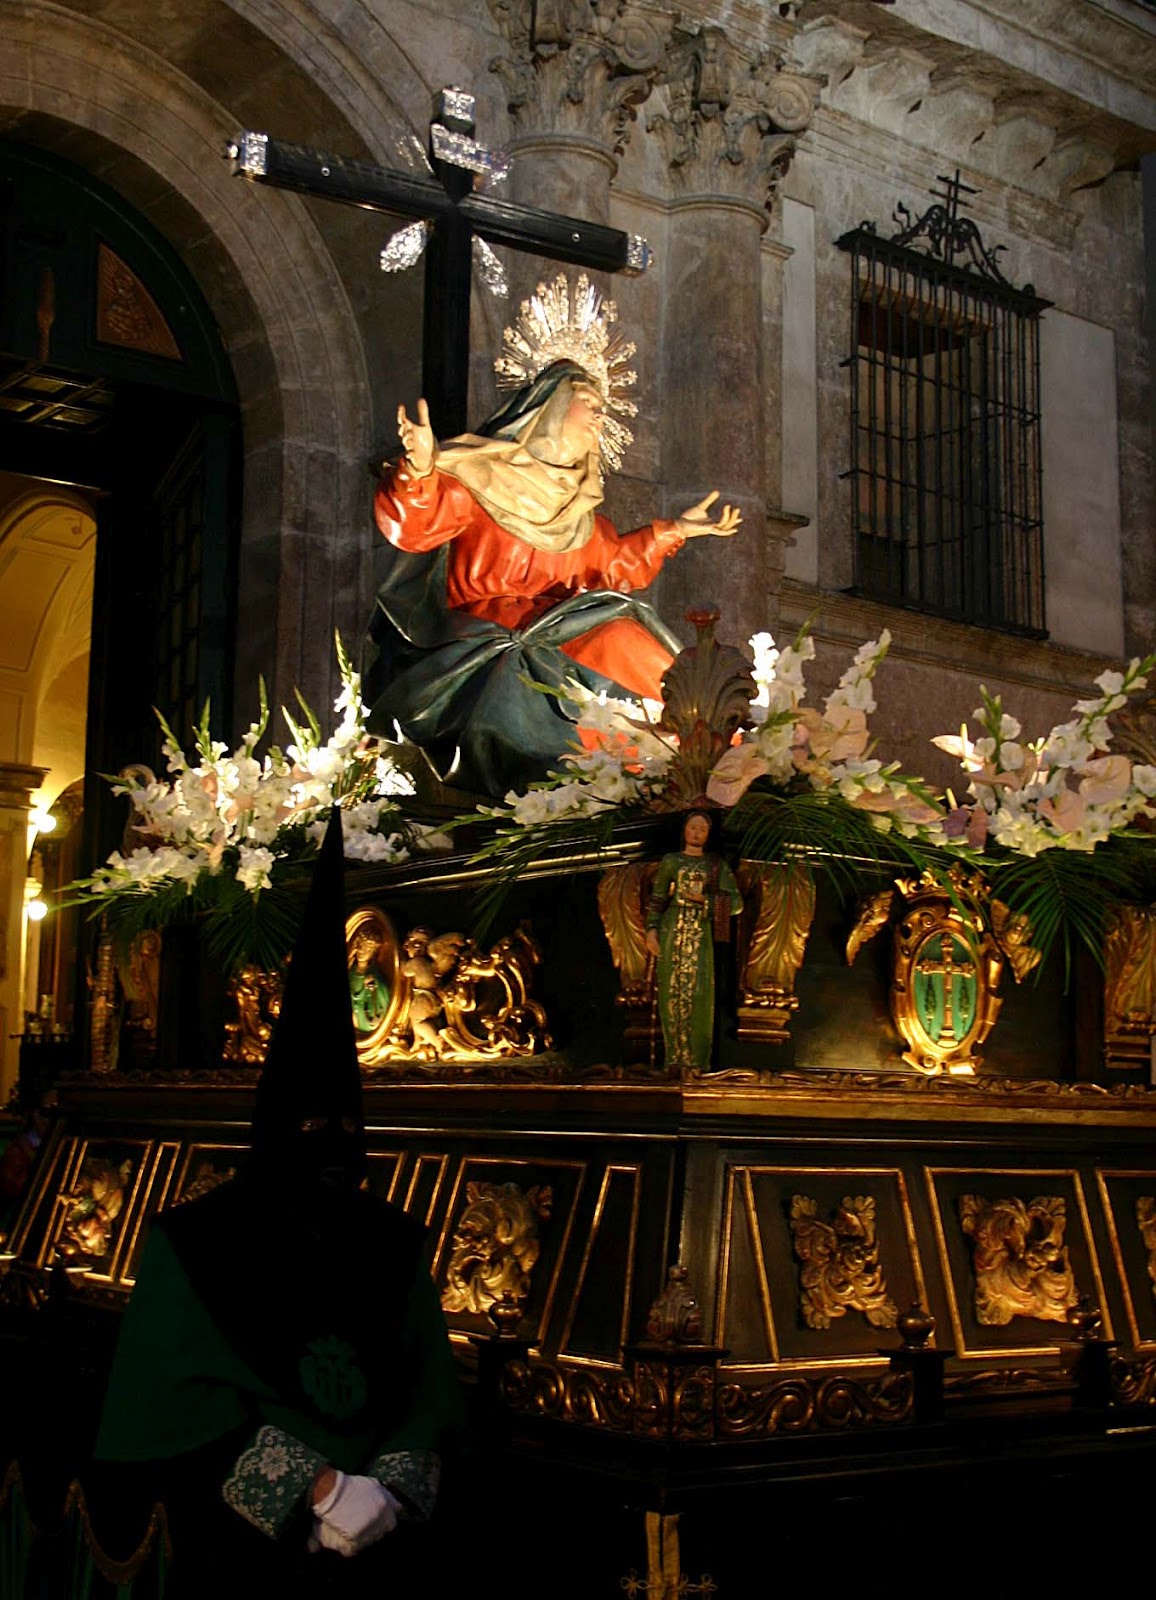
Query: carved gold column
x=778, y=909
x=727, y=121
x=17, y=785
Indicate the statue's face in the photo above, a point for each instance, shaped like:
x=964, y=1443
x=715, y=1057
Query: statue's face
x=582, y=424
x=697, y=831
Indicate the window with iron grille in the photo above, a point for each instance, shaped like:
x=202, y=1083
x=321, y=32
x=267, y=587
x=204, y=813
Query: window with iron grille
x=945, y=425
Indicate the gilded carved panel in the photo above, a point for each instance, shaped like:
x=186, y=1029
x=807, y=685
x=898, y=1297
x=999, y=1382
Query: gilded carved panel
x=815, y=1262
x=839, y=1267
x=1017, y=1253
x=1019, y=1258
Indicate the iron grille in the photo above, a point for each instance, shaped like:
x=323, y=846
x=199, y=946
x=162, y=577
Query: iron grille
x=945, y=437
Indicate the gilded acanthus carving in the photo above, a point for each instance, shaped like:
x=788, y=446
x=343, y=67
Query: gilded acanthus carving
x=840, y=1269
x=495, y=1246
x=870, y=915
x=707, y=695
x=1146, y=1222
x=1133, y=1382
x=729, y=119
x=675, y=1317
x=623, y=896
x=778, y=909
x=1130, y=986
x=1019, y=1257
x=578, y=66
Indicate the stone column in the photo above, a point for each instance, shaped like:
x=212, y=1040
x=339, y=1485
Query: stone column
x=575, y=75
x=17, y=786
x=728, y=129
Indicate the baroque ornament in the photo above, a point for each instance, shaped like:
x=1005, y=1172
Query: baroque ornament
x=1019, y=1257
x=579, y=67
x=729, y=121
x=840, y=1268
x=495, y=1245
x=779, y=907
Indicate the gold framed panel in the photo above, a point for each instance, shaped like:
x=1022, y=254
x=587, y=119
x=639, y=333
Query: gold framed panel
x=570, y=1358
x=1128, y=1249
x=469, y=1164
x=203, y=1167
x=413, y=1195
x=371, y=942
x=81, y=1164
x=774, y=1265
x=955, y=1254
x=156, y=1191
x=384, y=1180
x=41, y=1190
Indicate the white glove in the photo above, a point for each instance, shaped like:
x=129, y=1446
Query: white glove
x=355, y=1513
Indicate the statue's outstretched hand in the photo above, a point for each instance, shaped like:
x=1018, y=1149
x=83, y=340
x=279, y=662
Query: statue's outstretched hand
x=417, y=438
x=696, y=523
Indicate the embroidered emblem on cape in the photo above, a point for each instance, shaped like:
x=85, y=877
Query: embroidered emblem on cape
x=332, y=1378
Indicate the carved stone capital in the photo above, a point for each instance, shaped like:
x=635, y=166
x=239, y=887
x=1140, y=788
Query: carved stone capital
x=729, y=119
x=578, y=66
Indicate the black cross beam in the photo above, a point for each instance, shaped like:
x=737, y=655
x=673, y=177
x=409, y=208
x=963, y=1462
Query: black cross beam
x=455, y=212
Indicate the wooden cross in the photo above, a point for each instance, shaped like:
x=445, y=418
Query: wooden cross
x=948, y=971
x=455, y=214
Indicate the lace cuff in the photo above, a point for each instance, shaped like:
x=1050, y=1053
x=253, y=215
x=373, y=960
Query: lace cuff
x=269, y=1479
x=413, y=1476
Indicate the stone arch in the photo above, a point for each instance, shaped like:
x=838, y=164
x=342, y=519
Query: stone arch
x=76, y=87
x=47, y=544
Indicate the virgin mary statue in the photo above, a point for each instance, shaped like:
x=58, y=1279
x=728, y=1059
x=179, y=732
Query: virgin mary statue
x=506, y=580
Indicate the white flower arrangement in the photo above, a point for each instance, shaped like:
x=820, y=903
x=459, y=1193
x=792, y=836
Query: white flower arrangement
x=1063, y=791
x=230, y=812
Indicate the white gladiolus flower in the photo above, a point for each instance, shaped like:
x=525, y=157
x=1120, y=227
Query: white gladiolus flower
x=254, y=868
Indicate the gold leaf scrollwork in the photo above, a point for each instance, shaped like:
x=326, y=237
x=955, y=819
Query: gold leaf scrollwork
x=707, y=694
x=1130, y=986
x=1019, y=1257
x=840, y=1269
x=1146, y=1222
x=1013, y=935
x=495, y=1246
x=590, y=1399
x=811, y=1405
x=1133, y=1382
x=778, y=909
x=871, y=914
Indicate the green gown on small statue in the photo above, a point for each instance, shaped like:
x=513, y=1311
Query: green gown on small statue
x=693, y=900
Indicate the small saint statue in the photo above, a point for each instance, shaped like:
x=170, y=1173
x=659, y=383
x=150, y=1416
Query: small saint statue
x=506, y=578
x=694, y=898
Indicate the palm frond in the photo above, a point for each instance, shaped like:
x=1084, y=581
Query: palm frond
x=1066, y=894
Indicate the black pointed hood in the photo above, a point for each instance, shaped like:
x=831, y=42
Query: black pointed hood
x=308, y=1115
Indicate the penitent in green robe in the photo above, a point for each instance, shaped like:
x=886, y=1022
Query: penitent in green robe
x=693, y=899
x=231, y=1414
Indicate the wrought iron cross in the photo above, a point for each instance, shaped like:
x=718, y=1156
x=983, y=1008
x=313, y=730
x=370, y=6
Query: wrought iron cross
x=454, y=214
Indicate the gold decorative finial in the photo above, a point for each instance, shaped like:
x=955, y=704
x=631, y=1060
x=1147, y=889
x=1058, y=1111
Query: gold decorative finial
x=555, y=325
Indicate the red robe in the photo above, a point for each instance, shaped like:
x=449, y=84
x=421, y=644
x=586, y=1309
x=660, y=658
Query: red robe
x=496, y=576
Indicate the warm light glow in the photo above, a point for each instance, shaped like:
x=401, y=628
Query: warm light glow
x=42, y=820
x=36, y=910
